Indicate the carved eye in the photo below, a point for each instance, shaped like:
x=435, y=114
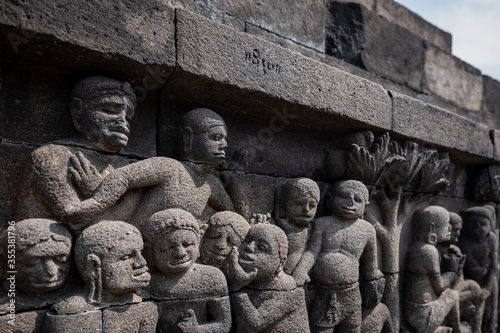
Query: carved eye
x=262, y=247
x=125, y=257
x=30, y=262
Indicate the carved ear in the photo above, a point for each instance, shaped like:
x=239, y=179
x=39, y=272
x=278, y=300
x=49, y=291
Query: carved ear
x=76, y=108
x=95, y=275
x=187, y=139
x=432, y=237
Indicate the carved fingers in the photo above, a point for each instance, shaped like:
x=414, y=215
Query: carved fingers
x=237, y=276
x=261, y=218
x=84, y=175
x=189, y=323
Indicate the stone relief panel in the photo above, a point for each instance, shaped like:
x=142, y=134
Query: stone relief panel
x=303, y=256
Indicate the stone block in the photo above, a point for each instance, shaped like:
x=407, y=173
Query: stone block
x=491, y=101
x=495, y=136
x=218, y=53
x=142, y=31
x=369, y=41
x=452, y=79
x=400, y=15
x=421, y=121
x=369, y=4
x=299, y=20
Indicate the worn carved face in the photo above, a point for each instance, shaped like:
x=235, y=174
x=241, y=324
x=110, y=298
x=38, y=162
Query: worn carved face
x=260, y=251
x=443, y=231
x=43, y=267
x=348, y=203
x=300, y=208
x=176, y=251
x=106, y=120
x=217, y=244
x=124, y=268
x=455, y=232
x=210, y=146
x=480, y=227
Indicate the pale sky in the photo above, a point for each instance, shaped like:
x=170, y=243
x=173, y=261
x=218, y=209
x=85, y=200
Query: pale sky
x=474, y=25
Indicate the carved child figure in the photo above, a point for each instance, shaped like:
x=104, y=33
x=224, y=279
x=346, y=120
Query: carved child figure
x=191, y=297
x=479, y=244
x=225, y=230
x=193, y=185
x=297, y=203
x=472, y=297
x=101, y=108
x=108, y=257
x=42, y=251
x=428, y=296
x=271, y=302
x=341, y=246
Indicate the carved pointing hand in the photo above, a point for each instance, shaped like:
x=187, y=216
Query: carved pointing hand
x=237, y=277
x=84, y=175
x=188, y=324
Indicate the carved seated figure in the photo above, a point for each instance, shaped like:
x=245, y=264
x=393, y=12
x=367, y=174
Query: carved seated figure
x=428, y=297
x=225, y=230
x=341, y=246
x=108, y=257
x=37, y=275
x=191, y=297
x=193, y=185
x=297, y=203
x=101, y=109
x=479, y=244
x=271, y=302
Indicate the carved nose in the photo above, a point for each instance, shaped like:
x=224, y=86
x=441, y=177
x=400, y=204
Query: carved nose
x=223, y=144
x=180, y=252
x=49, y=268
x=250, y=247
x=140, y=262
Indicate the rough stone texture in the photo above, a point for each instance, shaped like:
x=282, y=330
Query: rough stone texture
x=491, y=102
x=413, y=118
x=400, y=15
x=31, y=321
x=225, y=55
x=452, y=79
x=112, y=28
x=300, y=21
x=365, y=39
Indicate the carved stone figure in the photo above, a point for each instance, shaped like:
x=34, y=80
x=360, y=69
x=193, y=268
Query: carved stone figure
x=271, y=302
x=452, y=260
x=101, y=108
x=41, y=261
x=428, y=298
x=225, y=230
x=479, y=244
x=193, y=185
x=108, y=257
x=297, y=203
x=341, y=246
x=191, y=297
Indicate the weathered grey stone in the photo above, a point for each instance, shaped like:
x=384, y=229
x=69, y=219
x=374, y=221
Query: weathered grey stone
x=452, y=79
x=129, y=29
x=271, y=301
x=471, y=296
x=415, y=119
x=297, y=201
x=22, y=322
x=192, y=297
x=491, y=101
x=222, y=54
x=367, y=40
x=39, y=264
x=479, y=243
x=400, y=15
x=370, y=4
x=108, y=257
x=421, y=300
x=348, y=243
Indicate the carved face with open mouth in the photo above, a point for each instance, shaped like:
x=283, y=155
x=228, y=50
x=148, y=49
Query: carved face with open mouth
x=176, y=252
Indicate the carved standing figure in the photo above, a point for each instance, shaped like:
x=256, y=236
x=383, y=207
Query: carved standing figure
x=101, y=108
x=191, y=297
x=271, y=302
x=341, y=246
x=428, y=297
x=41, y=250
x=108, y=257
x=193, y=185
x=297, y=203
x=452, y=260
x=479, y=244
